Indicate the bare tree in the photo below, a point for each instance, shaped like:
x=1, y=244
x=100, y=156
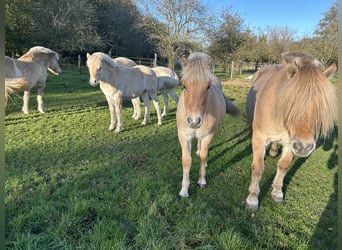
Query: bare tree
x=174, y=24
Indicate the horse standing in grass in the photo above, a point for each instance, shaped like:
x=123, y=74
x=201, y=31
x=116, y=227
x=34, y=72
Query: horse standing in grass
x=201, y=108
x=119, y=82
x=32, y=67
x=135, y=101
x=167, y=82
x=292, y=104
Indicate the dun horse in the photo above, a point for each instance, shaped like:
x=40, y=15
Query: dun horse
x=119, y=82
x=292, y=104
x=201, y=108
x=32, y=67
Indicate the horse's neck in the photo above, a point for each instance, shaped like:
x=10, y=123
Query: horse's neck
x=39, y=59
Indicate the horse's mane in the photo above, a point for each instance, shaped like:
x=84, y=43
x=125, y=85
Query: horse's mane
x=106, y=58
x=198, y=69
x=37, y=50
x=308, y=91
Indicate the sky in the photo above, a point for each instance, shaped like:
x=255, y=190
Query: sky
x=301, y=16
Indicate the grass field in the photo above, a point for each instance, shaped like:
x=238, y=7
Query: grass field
x=72, y=184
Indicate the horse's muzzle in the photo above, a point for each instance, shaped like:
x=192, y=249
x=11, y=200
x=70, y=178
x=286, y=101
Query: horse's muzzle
x=302, y=149
x=194, y=122
x=93, y=82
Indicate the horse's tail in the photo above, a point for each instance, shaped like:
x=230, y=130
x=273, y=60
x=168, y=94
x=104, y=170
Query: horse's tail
x=250, y=105
x=231, y=108
x=13, y=85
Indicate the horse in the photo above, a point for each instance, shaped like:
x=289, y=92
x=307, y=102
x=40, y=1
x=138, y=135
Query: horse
x=33, y=66
x=292, y=104
x=135, y=101
x=118, y=82
x=167, y=82
x=201, y=108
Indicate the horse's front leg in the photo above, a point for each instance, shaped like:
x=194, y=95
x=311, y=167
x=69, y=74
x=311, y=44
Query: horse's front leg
x=26, y=99
x=118, y=109
x=156, y=104
x=258, y=145
x=40, y=99
x=202, y=151
x=283, y=165
x=186, y=163
x=111, y=107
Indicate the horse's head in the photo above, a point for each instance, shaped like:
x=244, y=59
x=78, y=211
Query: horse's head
x=94, y=64
x=196, y=81
x=53, y=65
x=307, y=106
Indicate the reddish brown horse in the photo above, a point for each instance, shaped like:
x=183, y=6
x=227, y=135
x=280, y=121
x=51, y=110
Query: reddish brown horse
x=201, y=108
x=292, y=104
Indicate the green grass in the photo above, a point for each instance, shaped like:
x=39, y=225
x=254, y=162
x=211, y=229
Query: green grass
x=72, y=184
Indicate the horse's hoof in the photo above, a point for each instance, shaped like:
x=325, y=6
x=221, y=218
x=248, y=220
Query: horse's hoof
x=253, y=207
x=201, y=185
x=278, y=199
x=183, y=194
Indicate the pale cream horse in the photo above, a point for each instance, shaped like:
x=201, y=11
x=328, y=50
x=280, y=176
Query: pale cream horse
x=292, y=104
x=32, y=67
x=201, y=108
x=167, y=83
x=119, y=82
x=135, y=101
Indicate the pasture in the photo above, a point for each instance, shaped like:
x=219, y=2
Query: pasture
x=72, y=184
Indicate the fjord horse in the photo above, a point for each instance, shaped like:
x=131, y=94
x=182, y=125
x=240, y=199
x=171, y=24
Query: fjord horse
x=201, y=108
x=292, y=104
x=32, y=68
x=119, y=82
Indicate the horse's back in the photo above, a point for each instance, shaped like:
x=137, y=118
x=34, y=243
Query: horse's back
x=167, y=78
x=260, y=81
x=125, y=61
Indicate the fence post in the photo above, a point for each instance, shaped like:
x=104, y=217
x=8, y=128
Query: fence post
x=231, y=71
x=79, y=63
x=155, y=60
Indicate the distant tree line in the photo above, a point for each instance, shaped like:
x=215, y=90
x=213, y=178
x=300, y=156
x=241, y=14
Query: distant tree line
x=168, y=27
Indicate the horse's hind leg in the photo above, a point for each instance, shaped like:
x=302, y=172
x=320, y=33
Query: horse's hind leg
x=26, y=99
x=274, y=149
x=283, y=165
x=257, y=168
x=202, y=149
x=136, y=108
x=166, y=102
x=146, y=101
x=156, y=104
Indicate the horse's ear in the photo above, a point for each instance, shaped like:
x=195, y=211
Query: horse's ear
x=211, y=61
x=184, y=60
x=292, y=69
x=330, y=71
x=88, y=55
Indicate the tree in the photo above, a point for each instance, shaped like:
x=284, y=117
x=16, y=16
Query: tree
x=61, y=25
x=230, y=40
x=118, y=25
x=171, y=24
x=326, y=41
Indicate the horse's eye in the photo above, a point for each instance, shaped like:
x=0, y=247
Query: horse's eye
x=208, y=86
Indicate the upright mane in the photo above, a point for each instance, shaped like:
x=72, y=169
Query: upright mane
x=38, y=50
x=105, y=58
x=308, y=92
x=198, y=69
